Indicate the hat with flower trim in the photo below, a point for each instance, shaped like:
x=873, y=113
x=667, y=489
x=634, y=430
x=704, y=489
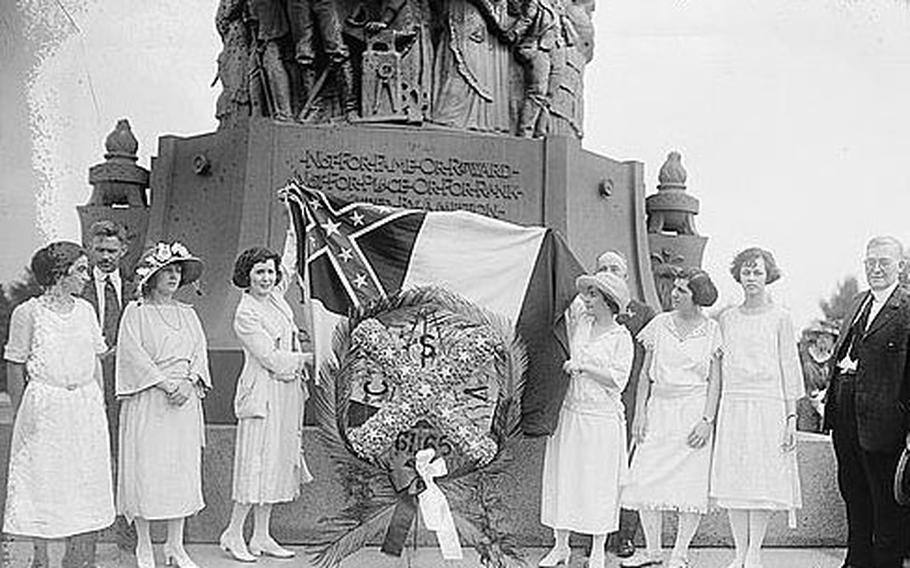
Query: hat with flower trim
x=166, y=254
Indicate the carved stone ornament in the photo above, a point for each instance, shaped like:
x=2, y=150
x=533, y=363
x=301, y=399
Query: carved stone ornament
x=671, y=209
x=118, y=180
x=511, y=67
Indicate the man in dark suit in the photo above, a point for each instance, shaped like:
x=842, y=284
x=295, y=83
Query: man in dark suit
x=108, y=290
x=868, y=409
x=637, y=316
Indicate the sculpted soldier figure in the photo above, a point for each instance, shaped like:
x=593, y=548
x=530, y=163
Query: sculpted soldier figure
x=306, y=16
x=268, y=22
x=542, y=33
x=233, y=61
x=397, y=65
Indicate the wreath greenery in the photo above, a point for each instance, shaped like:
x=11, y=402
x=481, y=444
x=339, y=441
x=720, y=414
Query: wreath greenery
x=472, y=488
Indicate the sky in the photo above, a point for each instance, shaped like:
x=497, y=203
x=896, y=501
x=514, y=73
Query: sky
x=791, y=116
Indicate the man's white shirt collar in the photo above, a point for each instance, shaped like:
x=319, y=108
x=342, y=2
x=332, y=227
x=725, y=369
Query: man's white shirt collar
x=881, y=296
x=100, y=277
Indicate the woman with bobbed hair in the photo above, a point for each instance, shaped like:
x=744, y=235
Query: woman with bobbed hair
x=754, y=470
x=585, y=457
x=674, y=418
x=269, y=465
x=60, y=463
x=162, y=376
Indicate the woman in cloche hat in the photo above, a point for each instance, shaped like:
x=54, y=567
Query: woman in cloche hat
x=586, y=454
x=162, y=376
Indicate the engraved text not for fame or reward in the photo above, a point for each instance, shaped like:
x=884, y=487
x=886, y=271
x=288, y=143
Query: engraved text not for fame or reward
x=491, y=188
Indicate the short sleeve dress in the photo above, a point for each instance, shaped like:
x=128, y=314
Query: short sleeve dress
x=586, y=459
x=666, y=473
x=760, y=370
x=160, y=443
x=60, y=463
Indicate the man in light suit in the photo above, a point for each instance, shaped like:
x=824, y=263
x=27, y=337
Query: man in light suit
x=108, y=290
x=869, y=409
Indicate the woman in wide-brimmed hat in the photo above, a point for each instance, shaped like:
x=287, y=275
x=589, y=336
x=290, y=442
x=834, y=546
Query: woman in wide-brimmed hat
x=586, y=455
x=162, y=376
x=59, y=467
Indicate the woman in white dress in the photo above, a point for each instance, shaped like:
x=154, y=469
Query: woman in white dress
x=754, y=471
x=269, y=465
x=674, y=418
x=162, y=376
x=585, y=458
x=60, y=462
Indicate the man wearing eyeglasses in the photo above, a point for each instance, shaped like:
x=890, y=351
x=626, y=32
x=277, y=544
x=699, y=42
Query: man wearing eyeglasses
x=869, y=409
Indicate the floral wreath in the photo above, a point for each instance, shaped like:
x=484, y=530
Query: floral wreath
x=382, y=487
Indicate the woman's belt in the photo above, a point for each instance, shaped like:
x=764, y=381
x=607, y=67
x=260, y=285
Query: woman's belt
x=678, y=391
x=67, y=386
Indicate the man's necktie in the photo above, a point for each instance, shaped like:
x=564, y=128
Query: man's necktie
x=859, y=329
x=111, y=313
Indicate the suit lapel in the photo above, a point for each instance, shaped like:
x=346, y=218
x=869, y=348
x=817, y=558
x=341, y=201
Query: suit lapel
x=90, y=294
x=886, y=314
x=847, y=324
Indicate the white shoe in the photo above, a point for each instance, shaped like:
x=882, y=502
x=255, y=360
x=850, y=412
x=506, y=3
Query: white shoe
x=642, y=558
x=555, y=557
x=678, y=562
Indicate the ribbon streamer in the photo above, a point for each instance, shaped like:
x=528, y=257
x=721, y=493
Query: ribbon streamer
x=434, y=506
x=407, y=485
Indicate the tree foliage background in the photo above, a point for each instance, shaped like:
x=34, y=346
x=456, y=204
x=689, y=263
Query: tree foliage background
x=11, y=295
x=837, y=306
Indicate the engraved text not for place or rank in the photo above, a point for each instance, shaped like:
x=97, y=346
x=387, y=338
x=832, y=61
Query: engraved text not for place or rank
x=491, y=188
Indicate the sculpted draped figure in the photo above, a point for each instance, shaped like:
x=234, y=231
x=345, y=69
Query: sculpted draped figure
x=510, y=67
x=472, y=68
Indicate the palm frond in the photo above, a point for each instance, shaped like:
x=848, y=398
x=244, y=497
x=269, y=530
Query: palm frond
x=350, y=541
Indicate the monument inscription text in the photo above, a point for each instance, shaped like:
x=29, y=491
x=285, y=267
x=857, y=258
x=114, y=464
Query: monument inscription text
x=414, y=180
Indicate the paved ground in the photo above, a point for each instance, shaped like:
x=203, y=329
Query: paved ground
x=208, y=556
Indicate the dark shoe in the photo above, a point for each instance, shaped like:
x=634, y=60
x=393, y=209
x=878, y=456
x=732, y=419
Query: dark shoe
x=625, y=548
x=125, y=535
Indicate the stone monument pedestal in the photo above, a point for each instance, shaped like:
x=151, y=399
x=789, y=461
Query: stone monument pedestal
x=217, y=194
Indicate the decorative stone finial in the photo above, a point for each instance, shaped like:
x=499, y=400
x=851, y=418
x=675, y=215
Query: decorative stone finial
x=672, y=174
x=119, y=180
x=671, y=209
x=121, y=143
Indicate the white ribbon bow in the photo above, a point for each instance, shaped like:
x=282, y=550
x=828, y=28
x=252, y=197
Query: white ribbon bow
x=434, y=506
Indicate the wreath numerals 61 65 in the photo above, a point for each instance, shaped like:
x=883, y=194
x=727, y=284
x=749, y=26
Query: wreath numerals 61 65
x=412, y=441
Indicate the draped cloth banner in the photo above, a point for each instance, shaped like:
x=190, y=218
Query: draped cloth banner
x=353, y=253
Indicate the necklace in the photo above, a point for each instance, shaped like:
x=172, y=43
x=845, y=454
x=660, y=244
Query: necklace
x=174, y=327
x=61, y=305
x=686, y=326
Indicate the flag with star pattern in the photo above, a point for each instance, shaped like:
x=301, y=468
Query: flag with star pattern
x=350, y=253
